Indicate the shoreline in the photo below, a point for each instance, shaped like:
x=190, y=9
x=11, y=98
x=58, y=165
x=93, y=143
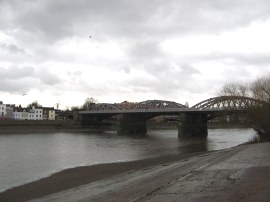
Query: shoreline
x=45, y=126
x=74, y=177
x=5, y=131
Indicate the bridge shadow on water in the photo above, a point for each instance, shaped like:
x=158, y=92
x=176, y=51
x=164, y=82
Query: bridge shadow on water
x=167, y=141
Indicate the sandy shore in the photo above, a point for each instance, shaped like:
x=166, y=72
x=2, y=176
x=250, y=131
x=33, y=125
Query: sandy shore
x=81, y=175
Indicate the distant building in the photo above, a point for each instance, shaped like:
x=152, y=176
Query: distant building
x=3, y=110
x=59, y=115
x=9, y=109
x=52, y=114
x=64, y=115
x=48, y=113
x=18, y=113
x=40, y=113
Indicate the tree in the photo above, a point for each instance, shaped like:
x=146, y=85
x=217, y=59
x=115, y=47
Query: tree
x=75, y=108
x=89, y=102
x=260, y=89
x=235, y=89
x=259, y=116
x=35, y=104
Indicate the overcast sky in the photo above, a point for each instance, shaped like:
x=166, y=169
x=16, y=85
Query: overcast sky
x=115, y=50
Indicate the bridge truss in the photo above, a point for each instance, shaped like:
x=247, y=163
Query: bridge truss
x=227, y=103
x=222, y=103
x=145, y=105
x=106, y=107
x=158, y=104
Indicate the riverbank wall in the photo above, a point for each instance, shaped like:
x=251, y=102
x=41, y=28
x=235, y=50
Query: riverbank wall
x=48, y=126
x=32, y=126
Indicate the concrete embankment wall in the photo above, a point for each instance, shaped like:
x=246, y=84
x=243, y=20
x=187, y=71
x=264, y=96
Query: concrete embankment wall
x=32, y=126
x=25, y=126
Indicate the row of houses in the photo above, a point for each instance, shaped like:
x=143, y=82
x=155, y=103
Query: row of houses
x=8, y=111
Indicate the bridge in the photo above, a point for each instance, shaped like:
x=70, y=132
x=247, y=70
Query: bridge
x=192, y=120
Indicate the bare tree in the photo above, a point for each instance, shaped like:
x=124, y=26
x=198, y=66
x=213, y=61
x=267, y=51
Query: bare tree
x=89, y=102
x=75, y=108
x=259, y=89
x=235, y=89
x=35, y=104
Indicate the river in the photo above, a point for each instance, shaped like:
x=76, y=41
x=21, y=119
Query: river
x=29, y=157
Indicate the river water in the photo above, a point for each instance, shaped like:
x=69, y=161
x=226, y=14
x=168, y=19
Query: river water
x=29, y=157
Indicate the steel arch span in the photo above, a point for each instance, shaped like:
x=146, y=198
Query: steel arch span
x=227, y=103
x=159, y=104
x=105, y=107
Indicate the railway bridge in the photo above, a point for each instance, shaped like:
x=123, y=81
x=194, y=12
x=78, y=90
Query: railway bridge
x=192, y=120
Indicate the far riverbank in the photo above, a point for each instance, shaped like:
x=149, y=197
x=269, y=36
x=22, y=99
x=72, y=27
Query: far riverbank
x=47, y=126
x=44, y=126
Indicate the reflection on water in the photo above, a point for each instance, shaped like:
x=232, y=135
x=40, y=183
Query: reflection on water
x=33, y=156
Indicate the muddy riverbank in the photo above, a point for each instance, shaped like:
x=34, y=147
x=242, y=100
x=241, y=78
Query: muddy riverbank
x=82, y=175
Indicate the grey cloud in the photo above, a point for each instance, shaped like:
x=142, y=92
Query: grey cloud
x=17, y=86
x=47, y=77
x=21, y=79
x=145, y=50
x=140, y=25
x=52, y=20
x=11, y=48
x=244, y=59
x=17, y=80
x=171, y=81
x=252, y=59
x=188, y=69
x=125, y=69
x=14, y=72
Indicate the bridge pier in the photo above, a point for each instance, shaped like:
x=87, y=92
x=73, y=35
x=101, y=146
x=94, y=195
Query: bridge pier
x=89, y=120
x=132, y=124
x=93, y=122
x=192, y=125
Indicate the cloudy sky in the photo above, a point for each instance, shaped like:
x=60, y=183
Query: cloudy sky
x=64, y=51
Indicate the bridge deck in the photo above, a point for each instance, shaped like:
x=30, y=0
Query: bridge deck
x=169, y=111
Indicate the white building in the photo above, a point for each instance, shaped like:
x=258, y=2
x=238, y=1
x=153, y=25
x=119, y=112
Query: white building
x=38, y=113
x=34, y=113
x=17, y=115
x=3, y=110
x=9, y=109
x=31, y=114
x=20, y=114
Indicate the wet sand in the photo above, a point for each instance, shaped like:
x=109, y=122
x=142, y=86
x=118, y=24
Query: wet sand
x=81, y=175
x=238, y=174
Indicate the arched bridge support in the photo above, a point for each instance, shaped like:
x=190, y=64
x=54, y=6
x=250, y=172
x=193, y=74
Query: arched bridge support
x=192, y=125
x=132, y=124
x=92, y=121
